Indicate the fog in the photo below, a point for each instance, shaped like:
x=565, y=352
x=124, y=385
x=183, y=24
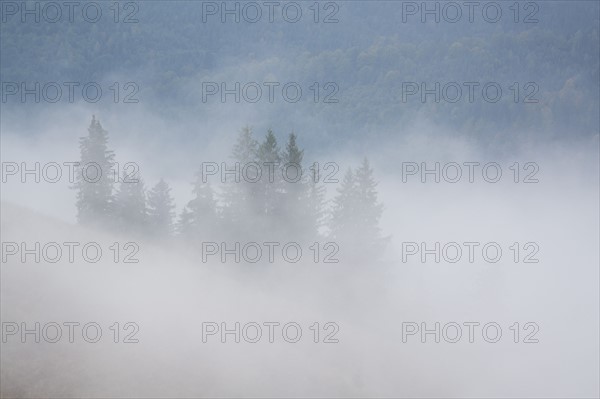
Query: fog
x=513, y=281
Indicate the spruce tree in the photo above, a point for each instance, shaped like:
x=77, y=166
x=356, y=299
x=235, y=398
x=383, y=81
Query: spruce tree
x=94, y=177
x=130, y=205
x=204, y=214
x=313, y=206
x=297, y=219
x=369, y=209
x=185, y=225
x=244, y=150
x=269, y=185
x=161, y=210
x=343, y=214
x=268, y=150
x=292, y=154
x=356, y=213
x=239, y=196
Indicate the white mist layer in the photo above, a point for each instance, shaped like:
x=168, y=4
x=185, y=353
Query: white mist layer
x=171, y=292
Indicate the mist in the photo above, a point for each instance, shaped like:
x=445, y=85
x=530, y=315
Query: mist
x=428, y=247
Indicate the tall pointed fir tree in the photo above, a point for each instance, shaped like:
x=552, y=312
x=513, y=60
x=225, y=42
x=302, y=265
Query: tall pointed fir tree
x=94, y=177
x=244, y=150
x=313, y=206
x=185, y=224
x=238, y=195
x=342, y=220
x=270, y=186
x=130, y=205
x=161, y=210
x=297, y=219
x=292, y=154
x=204, y=220
x=369, y=209
x=356, y=213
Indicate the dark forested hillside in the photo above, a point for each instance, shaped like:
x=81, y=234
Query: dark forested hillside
x=368, y=55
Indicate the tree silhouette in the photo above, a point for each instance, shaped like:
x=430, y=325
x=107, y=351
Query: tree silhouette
x=303, y=197
x=130, y=206
x=369, y=209
x=185, y=223
x=314, y=215
x=284, y=202
x=240, y=197
x=355, y=216
x=269, y=195
x=94, y=177
x=161, y=210
x=343, y=220
x=204, y=222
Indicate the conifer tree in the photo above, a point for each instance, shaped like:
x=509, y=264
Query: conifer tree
x=204, y=214
x=161, y=210
x=356, y=213
x=342, y=221
x=94, y=177
x=130, y=205
x=292, y=154
x=269, y=159
x=314, y=204
x=369, y=209
x=238, y=195
x=302, y=196
x=185, y=224
x=246, y=147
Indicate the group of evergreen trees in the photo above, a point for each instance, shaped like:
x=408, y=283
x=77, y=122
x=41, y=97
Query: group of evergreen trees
x=127, y=207
x=267, y=207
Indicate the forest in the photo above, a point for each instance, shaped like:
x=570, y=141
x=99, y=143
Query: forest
x=274, y=204
x=369, y=59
